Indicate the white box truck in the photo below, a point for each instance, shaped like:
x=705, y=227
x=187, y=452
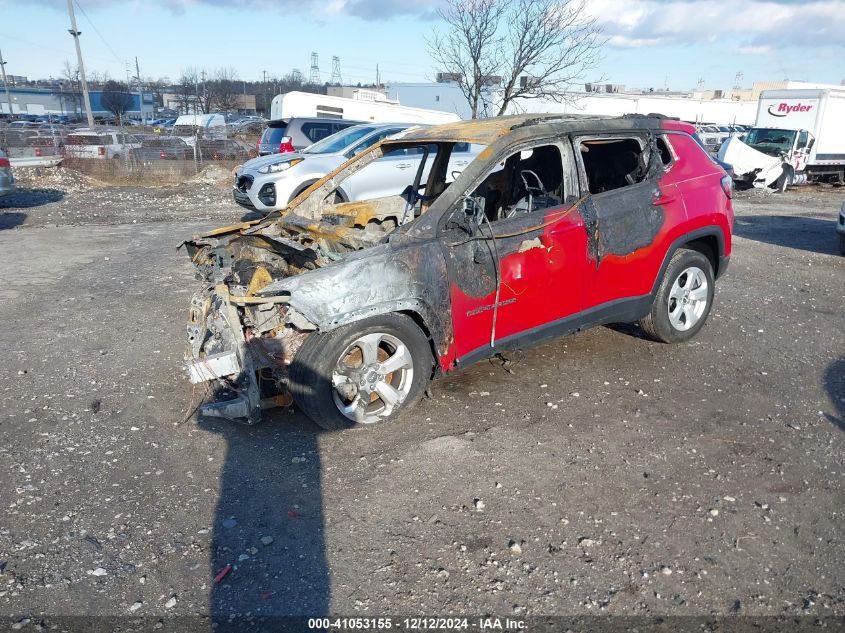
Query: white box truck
x=798, y=137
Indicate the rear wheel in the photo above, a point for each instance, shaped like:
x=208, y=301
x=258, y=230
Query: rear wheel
x=683, y=300
x=842, y=243
x=363, y=373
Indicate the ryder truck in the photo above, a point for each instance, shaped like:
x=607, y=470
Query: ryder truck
x=799, y=137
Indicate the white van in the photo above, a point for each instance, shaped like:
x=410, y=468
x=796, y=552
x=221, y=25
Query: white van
x=189, y=126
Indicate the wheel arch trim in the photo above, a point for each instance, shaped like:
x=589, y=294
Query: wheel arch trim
x=686, y=238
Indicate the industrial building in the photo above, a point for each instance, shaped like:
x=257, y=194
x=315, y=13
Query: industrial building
x=58, y=100
x=706, y=106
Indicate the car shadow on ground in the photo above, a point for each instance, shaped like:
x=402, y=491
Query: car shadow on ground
x=268, y=525
x=803, y=233
x=11, y=220
x=29, y=198
x=834, y=384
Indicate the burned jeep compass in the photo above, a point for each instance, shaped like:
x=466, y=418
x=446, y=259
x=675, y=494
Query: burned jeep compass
x=350, y=308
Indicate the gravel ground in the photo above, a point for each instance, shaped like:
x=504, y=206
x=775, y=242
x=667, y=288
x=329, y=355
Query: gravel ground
x=600, y=473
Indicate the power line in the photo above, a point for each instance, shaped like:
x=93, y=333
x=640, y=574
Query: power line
x=111, y=50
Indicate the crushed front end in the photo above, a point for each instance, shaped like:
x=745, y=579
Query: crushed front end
x=243, y=329
x=239, y=342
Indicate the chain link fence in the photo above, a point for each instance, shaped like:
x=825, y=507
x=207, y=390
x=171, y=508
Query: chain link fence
x=127, y=155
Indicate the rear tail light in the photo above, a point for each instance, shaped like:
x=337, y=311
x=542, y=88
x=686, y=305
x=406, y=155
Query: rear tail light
x=4, y=163
x=286, y=145
x=101, y=151
x=727, y=186
x=162, y=155
x=38, y=152
x=216, y=156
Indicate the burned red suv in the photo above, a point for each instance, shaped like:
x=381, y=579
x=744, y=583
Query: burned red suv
x=350, y=308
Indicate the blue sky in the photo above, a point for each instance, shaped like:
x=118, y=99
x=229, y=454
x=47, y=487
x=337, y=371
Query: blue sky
x=651, y=43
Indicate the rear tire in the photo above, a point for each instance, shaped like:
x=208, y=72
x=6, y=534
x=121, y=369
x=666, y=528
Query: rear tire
x=683, y=299
x=369, y=371
x=842, y=244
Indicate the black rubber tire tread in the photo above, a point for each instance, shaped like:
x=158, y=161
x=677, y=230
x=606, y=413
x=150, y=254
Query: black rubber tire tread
x=842, y=244
x=311, y=371
x=656, y=323
x=783, y=181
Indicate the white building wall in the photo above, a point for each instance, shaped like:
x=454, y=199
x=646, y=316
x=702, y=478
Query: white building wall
x=448, y=98
x=431, y=96
x=687, y=109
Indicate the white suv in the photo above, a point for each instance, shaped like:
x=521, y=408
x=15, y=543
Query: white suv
x=269, y=183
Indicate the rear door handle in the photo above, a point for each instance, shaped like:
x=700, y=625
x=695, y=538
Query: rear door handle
x=403, y=166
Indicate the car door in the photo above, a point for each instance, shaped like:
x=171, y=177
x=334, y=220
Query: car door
x=527, y=283
x=634, y=201
x=387, y=176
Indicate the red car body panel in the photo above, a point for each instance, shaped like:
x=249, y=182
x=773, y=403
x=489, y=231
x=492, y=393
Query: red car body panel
x=554, y=278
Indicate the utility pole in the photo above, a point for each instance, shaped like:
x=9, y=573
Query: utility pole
x=6, y=83
x=140, y=91
x=75, y=33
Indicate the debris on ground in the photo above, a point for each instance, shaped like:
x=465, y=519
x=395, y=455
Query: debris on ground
x=61, y=178
x=213, y=175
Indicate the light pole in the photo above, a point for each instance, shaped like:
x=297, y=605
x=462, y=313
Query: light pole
x=6, y=83
x=75, y=33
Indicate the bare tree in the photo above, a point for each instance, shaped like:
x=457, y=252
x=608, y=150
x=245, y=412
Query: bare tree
x=501, y=50
x=223, y=90
x=116, y=98
x=187, y=91
x=70, y=74
x=97, y=78
x=157, y=87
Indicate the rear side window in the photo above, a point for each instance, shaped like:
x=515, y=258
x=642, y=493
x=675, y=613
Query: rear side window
x=87, y=139
x=316, y=131
x=665, y=152
x=612, y=163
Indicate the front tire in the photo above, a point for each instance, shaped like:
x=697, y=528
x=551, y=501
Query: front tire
x=366, y=372
x=683, y=299
x=784, y=181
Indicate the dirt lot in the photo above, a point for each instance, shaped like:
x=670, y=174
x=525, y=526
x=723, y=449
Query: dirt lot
x=601, y=473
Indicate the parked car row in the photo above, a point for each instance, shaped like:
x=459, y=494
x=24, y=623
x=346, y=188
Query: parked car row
x=116, y=143
x=714, y=135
